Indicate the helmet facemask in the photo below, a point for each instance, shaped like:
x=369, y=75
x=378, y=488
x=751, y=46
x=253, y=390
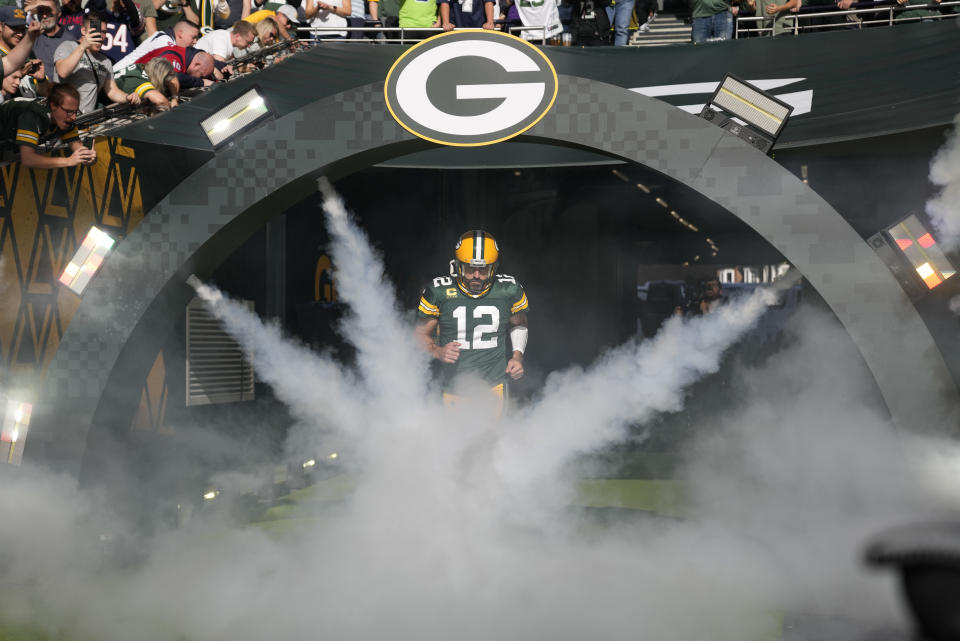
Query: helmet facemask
x=476, y=257
x=475, y=278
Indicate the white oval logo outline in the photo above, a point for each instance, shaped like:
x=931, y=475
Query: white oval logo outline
x=407, y=78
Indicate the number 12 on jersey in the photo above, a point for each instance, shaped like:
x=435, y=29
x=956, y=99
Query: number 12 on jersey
x=484, y=335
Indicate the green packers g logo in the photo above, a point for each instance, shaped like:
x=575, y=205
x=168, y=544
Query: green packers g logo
x=470, y=88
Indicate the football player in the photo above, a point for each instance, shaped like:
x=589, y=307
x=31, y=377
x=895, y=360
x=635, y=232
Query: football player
x=474, y=321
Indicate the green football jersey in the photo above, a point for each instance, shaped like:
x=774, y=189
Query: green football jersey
x=479, y=324
x=134, y=80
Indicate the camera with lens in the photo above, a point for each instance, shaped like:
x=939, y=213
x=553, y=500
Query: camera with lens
x=43, y=11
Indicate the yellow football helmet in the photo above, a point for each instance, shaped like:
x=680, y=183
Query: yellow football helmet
x=476, y=257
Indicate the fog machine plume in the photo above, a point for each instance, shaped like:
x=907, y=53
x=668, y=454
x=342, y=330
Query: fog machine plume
x=460, y=525
x=944, y=207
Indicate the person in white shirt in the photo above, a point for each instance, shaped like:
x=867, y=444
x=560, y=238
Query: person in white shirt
x=545, y=13
x=222, y=43
x=183, y=34
x=328, y=13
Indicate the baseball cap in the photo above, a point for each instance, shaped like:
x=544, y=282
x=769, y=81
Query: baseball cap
x=13, y=16
x=290, y=12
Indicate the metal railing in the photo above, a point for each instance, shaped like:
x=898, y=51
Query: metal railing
x=862, y=14
x=405, y=35
x=865, y=14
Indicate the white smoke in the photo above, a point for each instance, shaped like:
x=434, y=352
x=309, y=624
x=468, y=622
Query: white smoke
x=954, y=305
x=313, y=386
x=584, y=412
x=944, y=208
x=459, y=526
x=374, y=325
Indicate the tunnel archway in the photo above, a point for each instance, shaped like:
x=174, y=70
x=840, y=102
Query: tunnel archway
x=209, y=214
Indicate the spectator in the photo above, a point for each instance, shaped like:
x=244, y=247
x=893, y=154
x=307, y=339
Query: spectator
x=619, y=14
x=81, y=65
x=329, y=13
x=546, y=13
x=419, y=14
x=164, y=78
x=34, y=82
x=358, y=10
x=183, y=34
x=712, y=20
x=288, y=21
x=123, y=25
x=200, y=12
x=589, y=27
x=13, y=27
x=229, y=11
x=221, y=43
x=268, y=32
x=646, y=11
x=773, y=14
x=194, y=68
x=911, y=11
x=386, y=12
x=10, y=86
x=156, y=82
x=509, y=16
x=284, y=15
x=52, y=33
x=71, y=16
x=13, y=31
x=27, y=124
x=468, y=14
x=825, y=22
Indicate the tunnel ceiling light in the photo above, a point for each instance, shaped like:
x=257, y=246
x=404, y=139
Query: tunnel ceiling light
x=736, y=102
x=921, y=249
x=86, y=261
x=238, y=116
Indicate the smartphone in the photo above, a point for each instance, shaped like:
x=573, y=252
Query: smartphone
x=31, y=17
x=95, y=24
x=88, y=142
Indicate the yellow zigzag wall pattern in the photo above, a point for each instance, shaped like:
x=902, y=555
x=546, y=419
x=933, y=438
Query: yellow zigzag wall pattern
x=44, y=215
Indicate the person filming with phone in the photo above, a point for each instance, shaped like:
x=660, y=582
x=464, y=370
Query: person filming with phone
x=29, y=124
x=43, y=15
x=17, y=38
x=81, y=65
x=15, y=45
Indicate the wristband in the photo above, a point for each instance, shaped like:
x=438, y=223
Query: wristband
x=518, y=338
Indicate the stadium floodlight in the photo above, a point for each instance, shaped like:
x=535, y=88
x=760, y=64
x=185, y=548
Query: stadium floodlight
x=13, y=429
x=913, y=255
x=923, y=252
x=238, y=116
x=747, y=112
x=87, y=260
